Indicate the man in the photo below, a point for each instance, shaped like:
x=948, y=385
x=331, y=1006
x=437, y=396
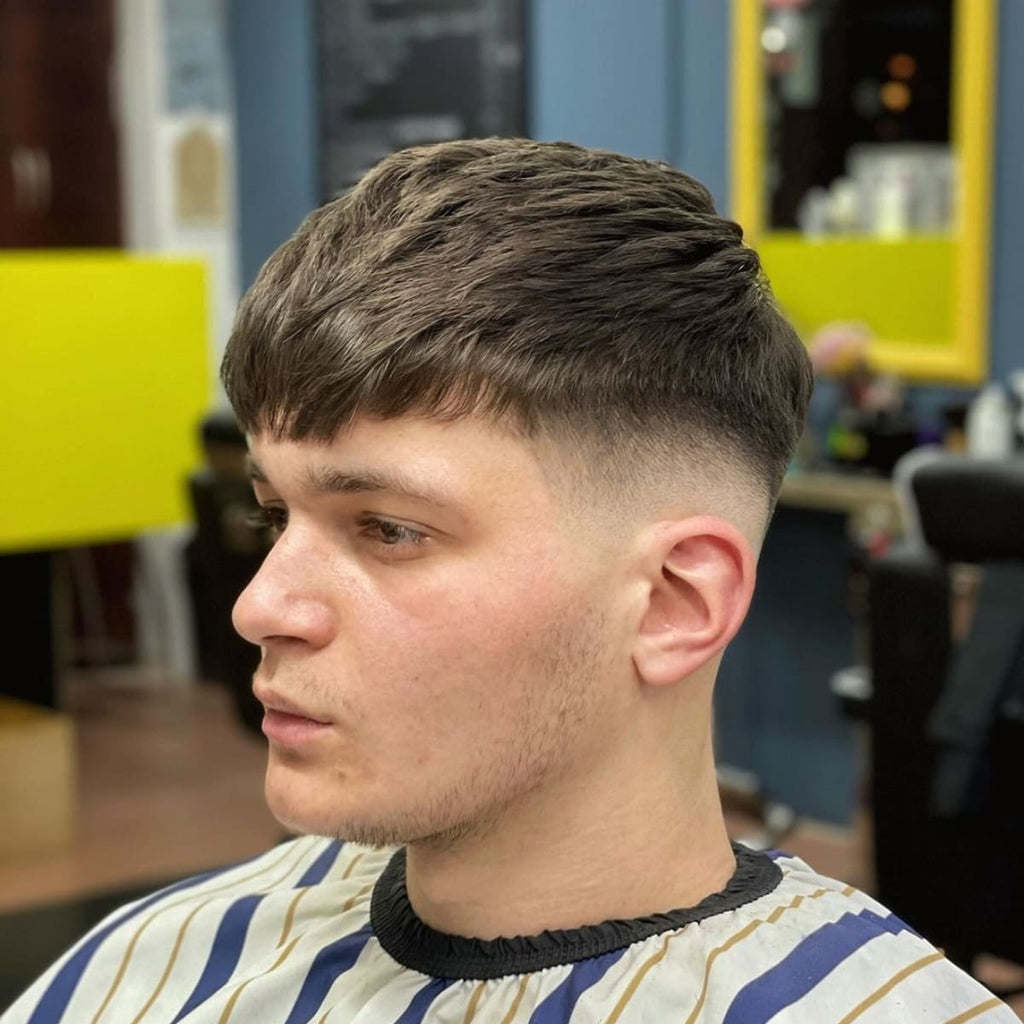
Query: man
x=518, y=414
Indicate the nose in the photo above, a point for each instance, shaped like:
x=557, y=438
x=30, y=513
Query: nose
x=284, y=602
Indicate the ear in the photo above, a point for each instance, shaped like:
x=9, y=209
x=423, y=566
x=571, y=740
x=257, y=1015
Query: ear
x=700, y=572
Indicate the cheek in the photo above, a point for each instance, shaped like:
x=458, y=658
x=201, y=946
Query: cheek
x=466, y=611
x=448, y=650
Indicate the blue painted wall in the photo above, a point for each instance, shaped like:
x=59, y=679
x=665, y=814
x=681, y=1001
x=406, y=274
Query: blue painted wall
x=703, y=59
x=599, y=74
x=274, y=80
x=1007, y=352
x=646, y=79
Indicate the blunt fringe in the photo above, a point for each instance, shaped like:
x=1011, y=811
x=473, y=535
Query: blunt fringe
x=571, y=291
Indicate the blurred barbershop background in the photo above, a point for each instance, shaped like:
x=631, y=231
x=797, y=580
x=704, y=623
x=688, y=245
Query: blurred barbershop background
x=870, y=715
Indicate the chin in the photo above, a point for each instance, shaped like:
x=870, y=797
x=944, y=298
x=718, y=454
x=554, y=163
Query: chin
x=314, y=802
x=299, y=803
x=311, y=806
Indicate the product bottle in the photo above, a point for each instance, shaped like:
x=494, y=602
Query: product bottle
x=989, y=425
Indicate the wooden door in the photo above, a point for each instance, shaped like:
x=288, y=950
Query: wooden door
x=58, y=141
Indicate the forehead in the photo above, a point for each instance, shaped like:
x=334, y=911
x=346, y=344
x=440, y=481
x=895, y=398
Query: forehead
x=443, y=461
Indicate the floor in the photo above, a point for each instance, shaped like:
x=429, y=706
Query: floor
x=168, y=785
x=171, y=784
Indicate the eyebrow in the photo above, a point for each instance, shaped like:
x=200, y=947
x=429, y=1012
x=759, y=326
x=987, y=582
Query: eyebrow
x=329, y=480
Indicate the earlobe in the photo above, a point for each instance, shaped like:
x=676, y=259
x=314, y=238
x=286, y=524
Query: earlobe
x=701, y=574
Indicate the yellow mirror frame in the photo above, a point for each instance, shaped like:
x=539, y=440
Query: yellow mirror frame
x=926, y=296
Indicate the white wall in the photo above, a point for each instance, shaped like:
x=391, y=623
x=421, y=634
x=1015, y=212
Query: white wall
x=150, y=130
x=154, y=115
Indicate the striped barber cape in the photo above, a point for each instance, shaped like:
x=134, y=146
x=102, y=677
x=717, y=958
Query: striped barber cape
x=320, y=931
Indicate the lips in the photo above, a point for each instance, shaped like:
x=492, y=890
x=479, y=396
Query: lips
x=288, y=723
x=272, y=701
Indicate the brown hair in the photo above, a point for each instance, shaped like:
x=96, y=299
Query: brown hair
x=574, y=292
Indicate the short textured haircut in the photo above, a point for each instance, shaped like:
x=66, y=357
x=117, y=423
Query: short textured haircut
x=587, y=297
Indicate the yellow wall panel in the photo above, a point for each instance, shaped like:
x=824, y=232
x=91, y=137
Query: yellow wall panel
x=103, y=382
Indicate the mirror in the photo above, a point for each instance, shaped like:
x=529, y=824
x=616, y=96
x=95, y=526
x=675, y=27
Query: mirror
x=861, y=169
x=857, y=101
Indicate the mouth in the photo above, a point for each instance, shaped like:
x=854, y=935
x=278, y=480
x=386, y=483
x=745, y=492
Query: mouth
x=288, y=723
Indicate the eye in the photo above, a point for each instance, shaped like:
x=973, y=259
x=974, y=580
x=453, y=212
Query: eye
x=270, y=517
x=391, y=534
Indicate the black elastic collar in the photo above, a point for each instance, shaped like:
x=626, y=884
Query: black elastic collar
x=418, y=946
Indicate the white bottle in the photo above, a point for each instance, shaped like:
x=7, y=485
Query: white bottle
x=989, y=425
x=892, y=203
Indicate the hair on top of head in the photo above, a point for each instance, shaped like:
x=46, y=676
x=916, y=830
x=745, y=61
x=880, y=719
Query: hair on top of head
x=575, y=292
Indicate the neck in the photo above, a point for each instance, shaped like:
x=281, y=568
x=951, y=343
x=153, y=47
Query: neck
x=638, y=834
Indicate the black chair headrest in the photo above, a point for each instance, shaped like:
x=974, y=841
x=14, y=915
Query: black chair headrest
x=971, y=510
x=220, y=427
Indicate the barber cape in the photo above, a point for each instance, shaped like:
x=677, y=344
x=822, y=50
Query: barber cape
x=320, y=931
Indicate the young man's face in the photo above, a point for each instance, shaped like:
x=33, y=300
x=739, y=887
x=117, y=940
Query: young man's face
x=434, y=618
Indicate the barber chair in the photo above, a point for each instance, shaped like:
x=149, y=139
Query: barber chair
x=949, y=855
